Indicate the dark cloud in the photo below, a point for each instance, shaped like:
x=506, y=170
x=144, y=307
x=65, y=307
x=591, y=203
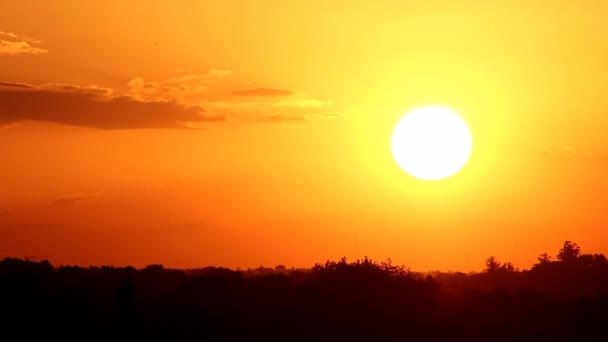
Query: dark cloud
x=92, y=107
x=15, y=85
x=262, y=92
x=73, y=198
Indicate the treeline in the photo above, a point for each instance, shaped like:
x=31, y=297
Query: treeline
x=572, y=275
x=364, y=300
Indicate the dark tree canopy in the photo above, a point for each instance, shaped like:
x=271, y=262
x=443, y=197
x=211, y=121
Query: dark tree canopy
x=569, y=253
x=362, y=300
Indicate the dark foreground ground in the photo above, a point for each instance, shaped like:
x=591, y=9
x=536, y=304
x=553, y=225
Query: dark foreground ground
x=564, y=300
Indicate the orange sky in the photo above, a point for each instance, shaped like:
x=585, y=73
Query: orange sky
x=241, y=133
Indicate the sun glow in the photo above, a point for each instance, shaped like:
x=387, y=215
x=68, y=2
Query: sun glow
x=431, y=143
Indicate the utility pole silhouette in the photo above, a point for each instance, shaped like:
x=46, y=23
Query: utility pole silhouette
x=517, y=253
x=356, y=246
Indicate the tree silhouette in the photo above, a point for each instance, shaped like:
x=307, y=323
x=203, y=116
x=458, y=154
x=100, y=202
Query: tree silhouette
x=492, y=265
x=544, y=259
x=599, y=260
x=507, y=267
x=569, y=253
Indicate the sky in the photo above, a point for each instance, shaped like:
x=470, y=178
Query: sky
x=248, y=133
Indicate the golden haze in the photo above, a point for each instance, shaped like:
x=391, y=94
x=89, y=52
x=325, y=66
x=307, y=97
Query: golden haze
x=241, y=133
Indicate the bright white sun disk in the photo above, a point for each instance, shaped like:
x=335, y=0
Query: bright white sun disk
x=431, y=143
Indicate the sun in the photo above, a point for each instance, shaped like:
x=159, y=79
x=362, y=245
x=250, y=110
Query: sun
x=431, y=143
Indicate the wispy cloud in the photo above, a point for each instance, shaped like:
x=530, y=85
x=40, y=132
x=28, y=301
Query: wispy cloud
x=567, y=152
x=281, y=118
x=208, y=89
x=187, y=88
x=12, y=44
x=296, y=107
x=262, y=92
